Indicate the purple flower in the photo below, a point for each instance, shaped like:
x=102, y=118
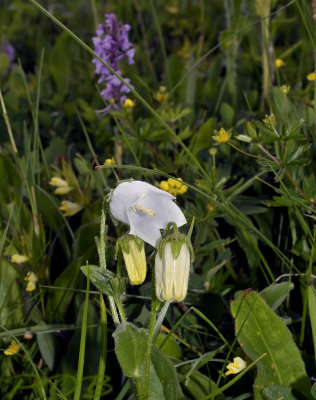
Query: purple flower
x=112, y=45
x=9, y=50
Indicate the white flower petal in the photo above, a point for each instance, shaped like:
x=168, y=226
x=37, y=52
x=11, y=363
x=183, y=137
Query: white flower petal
x=145, y=208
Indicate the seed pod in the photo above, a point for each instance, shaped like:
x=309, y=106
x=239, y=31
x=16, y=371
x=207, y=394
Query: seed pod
x=134, y=258
x=172, y=268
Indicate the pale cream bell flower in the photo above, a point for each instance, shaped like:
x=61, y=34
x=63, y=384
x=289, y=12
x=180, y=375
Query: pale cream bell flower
x=31, y=279
x=61, y=184
x=19, y=258
x=70, y=208
x=235, y=367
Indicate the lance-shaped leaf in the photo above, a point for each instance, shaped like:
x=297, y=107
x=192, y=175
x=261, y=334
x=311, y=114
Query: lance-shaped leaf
x=259, y=330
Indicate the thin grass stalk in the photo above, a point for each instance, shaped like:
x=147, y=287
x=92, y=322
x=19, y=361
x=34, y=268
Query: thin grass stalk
x=82, y=342
x=7, y=123
x=102, y=362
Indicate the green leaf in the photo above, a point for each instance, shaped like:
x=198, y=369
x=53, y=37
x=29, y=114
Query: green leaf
x=167, y=375
x=46, y=344
x=105, y=280
x=276, y=293
x=203, y=139
x=295, y=157
x=130, y=348
x=277, y=392
x=259, y=330
x=4, y=62
x=312, y=314
x=227, y=115
x=314, y=390
x=170, y=347
x=309, y=186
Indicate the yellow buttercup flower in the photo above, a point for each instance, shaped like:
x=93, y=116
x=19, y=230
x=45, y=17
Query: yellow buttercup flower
x=70, y=208
x=109, y=161
x=12, y=349
x=173, y=186
x=129, y=103
x=31, y=279
x=279, y=63
x=311, y=77
x=61, y=184
x=162, y=94
x=223, y=136
x=235, y=367
x=19, y=258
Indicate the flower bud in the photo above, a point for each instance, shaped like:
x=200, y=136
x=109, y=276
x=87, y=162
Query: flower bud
x=172, y=268
x=134, y=257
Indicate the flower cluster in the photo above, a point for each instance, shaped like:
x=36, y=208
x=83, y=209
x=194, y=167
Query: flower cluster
x=112, y=45
x=147, y=209
x=173, y=186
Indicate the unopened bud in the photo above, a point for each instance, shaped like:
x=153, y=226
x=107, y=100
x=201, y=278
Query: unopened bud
x=134, y=257
x=172, y=268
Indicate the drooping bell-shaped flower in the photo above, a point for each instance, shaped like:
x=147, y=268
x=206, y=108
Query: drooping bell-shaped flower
x=145, y=208
x=134, y=257
x=172, y=267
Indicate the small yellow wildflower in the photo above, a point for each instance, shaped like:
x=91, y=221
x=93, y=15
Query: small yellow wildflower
x=162, y=94
x=279, y=63
x=173, y=186
x=12, y=349
x=19, y=258
x=109, y=161
x=31, y=279
x=311, y=77
x=70, y=208
x=61, y=184
x=285, y=89
x=129, y=103
x=223, y=136
x=28, y=335
x=237, y=366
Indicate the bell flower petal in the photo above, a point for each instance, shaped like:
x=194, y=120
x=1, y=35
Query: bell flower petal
x=146, y=209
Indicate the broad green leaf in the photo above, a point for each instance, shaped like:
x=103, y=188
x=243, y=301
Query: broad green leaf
x=312, y=312
x=4, y=62
x=47, y=344
x=167, y=375
x=203, y=139
x=170, y=347
x=130, y=348
x=276, y=293
x=277, y=392
x=259, y=330
x=309, y=186
x=314, y=391
x=227, y=114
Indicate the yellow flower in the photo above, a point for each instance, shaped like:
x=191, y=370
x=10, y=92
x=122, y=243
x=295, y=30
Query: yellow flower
x=311, y=77
x=173, y=186
x=129, y=103
x=70, y=208
x=162, y=94
x=235, y=367
x=61, y=184
x=109, y=161
x=222, y=137
x=279, y=63
x=19, y=258
x=12, y=349
x=28, y=335
x=31, y=279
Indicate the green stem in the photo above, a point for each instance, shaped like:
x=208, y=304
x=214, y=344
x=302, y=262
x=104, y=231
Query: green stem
x=115, y=316
x=151, y=333
x=139, y=388
x=121, y=310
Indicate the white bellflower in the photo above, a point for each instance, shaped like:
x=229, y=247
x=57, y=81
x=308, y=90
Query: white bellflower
x=146, y=209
